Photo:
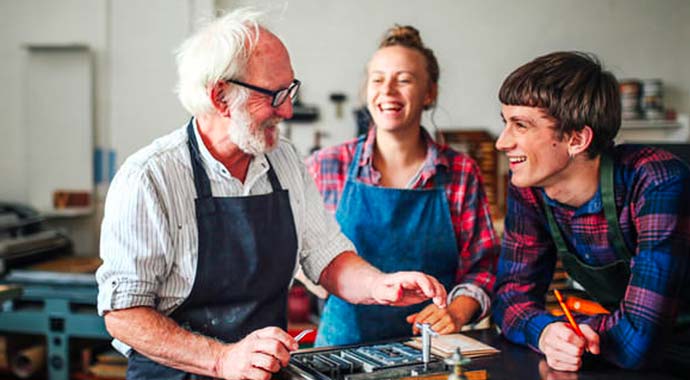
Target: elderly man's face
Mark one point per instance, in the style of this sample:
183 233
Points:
254 127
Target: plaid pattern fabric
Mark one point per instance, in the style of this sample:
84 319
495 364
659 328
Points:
652 192
476 240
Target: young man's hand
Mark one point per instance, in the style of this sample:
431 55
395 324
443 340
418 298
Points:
564 348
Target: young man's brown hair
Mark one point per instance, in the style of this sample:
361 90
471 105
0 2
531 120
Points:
574 89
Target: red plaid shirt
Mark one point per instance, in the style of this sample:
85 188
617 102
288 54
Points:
477 242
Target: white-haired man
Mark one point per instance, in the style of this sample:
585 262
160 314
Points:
202 228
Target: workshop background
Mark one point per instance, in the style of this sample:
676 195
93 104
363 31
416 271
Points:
85 83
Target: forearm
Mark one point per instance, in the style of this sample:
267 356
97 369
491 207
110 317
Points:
520 314
629 339
351 278
163 340
463 308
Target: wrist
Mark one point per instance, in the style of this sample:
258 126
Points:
373 282
221 352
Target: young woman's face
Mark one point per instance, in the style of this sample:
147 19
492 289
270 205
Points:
398 88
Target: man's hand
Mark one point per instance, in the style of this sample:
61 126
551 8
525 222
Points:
564 348
257 356
447 320
407 288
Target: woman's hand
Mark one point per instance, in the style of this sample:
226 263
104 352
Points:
448 320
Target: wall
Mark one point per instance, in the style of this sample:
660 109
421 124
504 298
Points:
144 35
39 22
132 45
478 42
684 60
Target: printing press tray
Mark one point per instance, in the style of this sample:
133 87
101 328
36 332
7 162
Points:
380 360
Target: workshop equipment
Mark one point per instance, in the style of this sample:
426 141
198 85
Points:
57 305
427 334
456 361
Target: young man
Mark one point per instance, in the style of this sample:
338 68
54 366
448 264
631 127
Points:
202 228
617 217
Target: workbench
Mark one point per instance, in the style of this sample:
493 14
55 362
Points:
514 362
59 311
519 362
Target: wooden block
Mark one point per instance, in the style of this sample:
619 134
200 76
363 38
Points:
109 370
4 362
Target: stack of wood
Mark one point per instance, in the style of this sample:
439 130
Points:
108 364
479 144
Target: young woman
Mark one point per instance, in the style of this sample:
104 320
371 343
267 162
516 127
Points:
406 202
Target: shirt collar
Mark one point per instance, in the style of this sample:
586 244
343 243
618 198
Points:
434 158
593 206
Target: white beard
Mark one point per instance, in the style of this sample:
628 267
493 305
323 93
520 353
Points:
248 137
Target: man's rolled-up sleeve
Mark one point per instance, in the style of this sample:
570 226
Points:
322 239
134 238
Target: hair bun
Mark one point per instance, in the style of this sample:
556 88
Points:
405 35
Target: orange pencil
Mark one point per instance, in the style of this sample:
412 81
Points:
568 315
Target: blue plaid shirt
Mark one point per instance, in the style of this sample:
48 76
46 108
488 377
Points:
652 192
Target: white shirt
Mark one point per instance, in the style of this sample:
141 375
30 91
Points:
149 236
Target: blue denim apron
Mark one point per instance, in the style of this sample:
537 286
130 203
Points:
394 230
247 252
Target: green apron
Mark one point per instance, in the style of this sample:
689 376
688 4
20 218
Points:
607 284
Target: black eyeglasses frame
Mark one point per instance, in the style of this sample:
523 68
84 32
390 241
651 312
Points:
278 97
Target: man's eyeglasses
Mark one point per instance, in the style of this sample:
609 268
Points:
279 97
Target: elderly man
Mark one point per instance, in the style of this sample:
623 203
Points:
617 217
203 227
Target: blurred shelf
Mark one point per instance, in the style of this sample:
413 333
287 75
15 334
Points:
650 124
71 212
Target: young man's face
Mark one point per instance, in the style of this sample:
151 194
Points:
536 155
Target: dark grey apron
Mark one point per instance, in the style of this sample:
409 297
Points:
607 284
247 251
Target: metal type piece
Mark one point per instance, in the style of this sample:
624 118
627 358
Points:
427 333
301 335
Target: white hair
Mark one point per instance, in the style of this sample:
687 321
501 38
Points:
218 51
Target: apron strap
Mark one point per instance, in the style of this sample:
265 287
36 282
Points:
561 247
615 235
201 181
609 202
442 177
275 183
353 170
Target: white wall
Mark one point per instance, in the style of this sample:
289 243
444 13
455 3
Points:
41 22
478 42
144 35
684 61
132 45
